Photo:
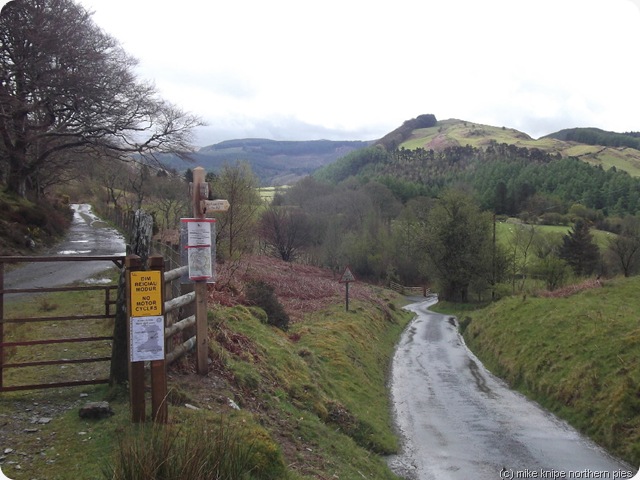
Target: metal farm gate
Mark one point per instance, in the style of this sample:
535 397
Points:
44 352
11 338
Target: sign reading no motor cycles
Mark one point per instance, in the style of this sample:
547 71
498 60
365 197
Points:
146 293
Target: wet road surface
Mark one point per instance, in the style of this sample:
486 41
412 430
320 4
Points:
458 421
88 235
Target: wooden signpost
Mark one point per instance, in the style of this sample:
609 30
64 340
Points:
146 306
202 206
213 206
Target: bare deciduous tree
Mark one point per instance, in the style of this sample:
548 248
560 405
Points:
625 248
172 199
285 231
237 184
68 90
520 242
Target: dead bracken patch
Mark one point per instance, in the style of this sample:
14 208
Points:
572 289
237 343
300 289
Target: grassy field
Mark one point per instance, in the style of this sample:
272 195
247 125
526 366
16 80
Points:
505 230
312 400
577 356
57 305
267 193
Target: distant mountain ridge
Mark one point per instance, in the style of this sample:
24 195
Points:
274 162
277 162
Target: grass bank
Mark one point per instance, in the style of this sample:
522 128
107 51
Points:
322 384
26 227
577 356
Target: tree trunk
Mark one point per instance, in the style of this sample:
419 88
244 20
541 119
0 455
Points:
119 373
140 244
16 178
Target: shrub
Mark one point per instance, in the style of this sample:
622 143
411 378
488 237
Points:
200 450
261 294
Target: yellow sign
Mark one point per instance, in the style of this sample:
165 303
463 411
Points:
146 293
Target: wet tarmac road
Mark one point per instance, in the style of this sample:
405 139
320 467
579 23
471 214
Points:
458 421
88 235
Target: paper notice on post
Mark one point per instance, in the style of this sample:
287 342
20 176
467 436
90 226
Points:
199 262
197 242
199 233
147 338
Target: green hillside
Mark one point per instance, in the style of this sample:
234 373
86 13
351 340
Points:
576 355
453 133
504 233
509 172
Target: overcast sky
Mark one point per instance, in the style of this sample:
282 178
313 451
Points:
356 69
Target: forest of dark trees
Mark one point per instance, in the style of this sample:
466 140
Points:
505 179
596 136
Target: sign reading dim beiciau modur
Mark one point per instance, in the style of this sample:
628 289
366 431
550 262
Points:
146 293
147 322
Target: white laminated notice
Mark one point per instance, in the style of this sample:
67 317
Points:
198 246
147 338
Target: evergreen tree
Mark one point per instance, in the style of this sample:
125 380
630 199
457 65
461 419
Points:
579 250
458 241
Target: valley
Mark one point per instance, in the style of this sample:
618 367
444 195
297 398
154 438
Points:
397 215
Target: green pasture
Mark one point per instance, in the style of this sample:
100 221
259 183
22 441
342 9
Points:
506 230
268 193
627 160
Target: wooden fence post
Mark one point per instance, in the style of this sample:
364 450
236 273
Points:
200 287
1 323
146 327
159 408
